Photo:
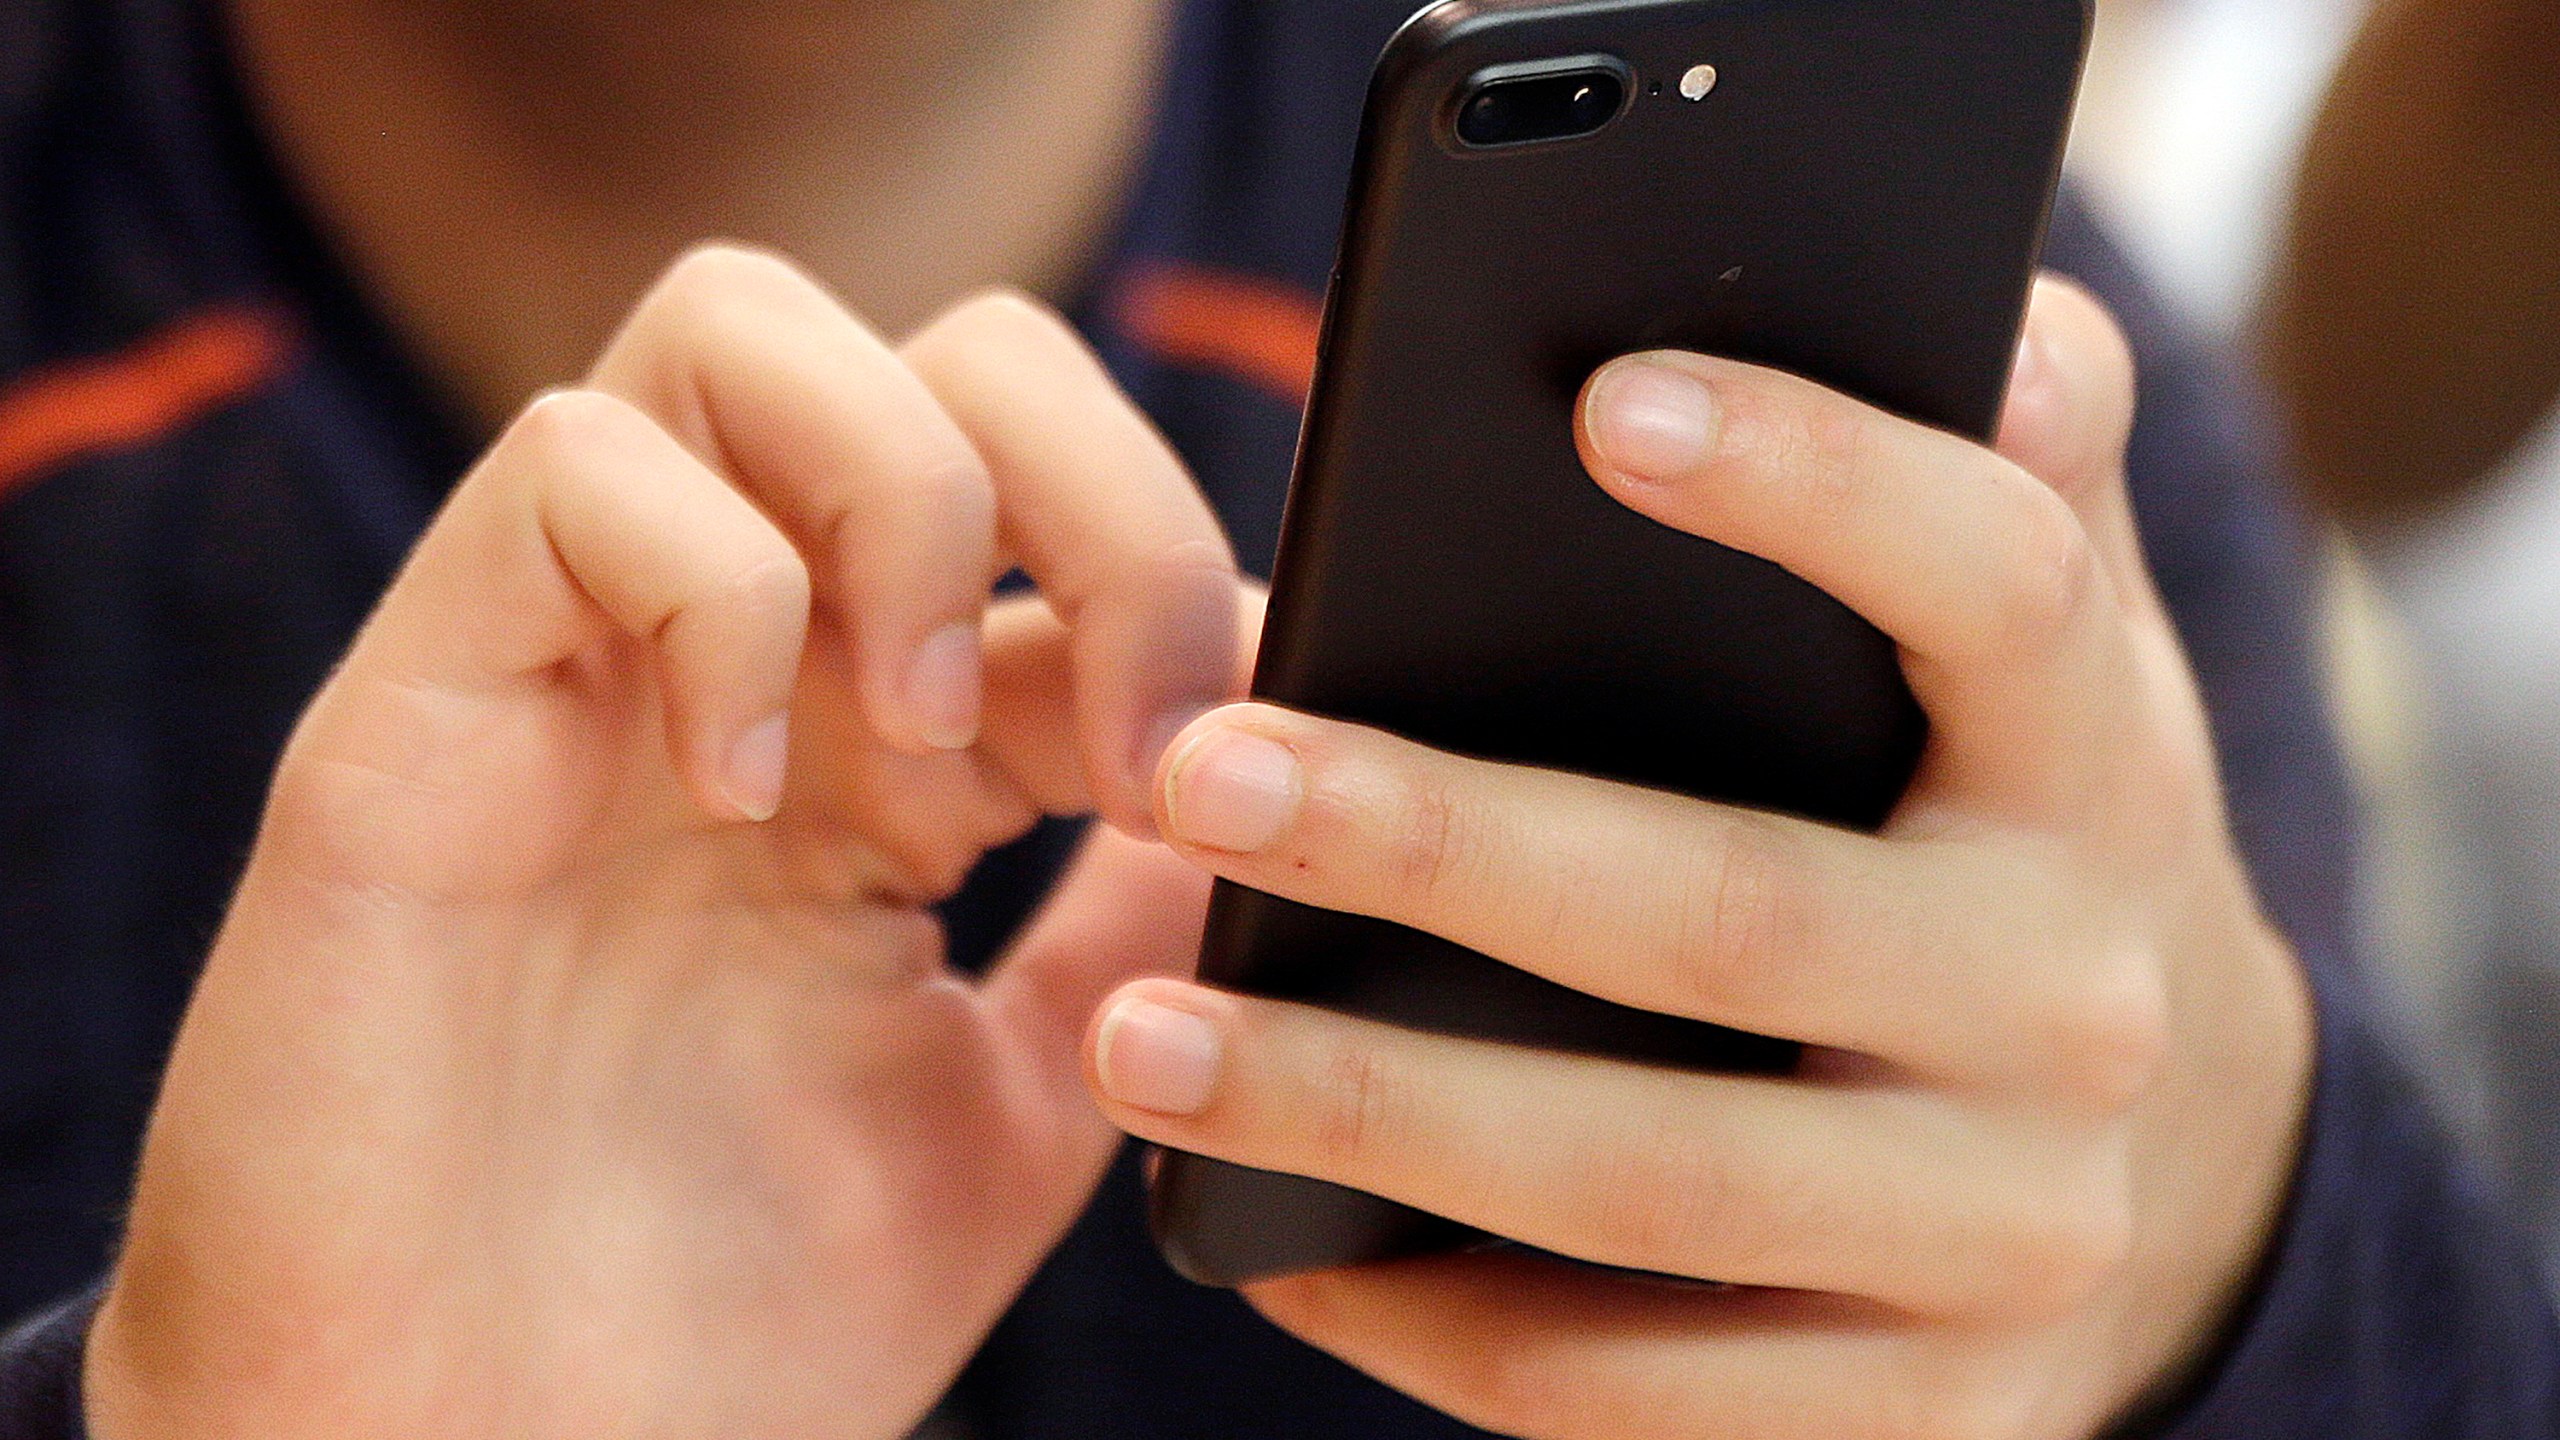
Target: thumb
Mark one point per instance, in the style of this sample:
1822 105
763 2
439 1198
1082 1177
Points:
1127 908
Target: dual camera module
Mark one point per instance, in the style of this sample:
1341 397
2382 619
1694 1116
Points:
1564 101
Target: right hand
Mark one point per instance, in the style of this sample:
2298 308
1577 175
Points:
538 1085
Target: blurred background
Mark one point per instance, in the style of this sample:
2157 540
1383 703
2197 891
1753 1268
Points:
2366 197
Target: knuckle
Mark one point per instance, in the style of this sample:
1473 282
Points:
2051 578
1658 1206
769 582
2113 1035
723 293
991 332
561 439
2067 1245
567 425
1819 451
955 483
1748 916
1006 312
715 274
1431 837
946 486
1363 1107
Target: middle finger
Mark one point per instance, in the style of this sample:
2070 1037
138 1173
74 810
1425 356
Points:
1947 958
1103 516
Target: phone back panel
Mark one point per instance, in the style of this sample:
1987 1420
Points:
1861 199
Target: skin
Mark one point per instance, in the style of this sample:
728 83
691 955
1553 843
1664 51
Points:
2057 1039
2413 328
535 1087
579 1057
507 175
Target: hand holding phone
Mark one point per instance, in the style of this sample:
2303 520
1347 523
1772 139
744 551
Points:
1574 904
2047 1118
1851 190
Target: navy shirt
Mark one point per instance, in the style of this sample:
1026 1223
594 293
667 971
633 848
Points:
212 455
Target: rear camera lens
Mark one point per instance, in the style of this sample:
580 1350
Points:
1540 108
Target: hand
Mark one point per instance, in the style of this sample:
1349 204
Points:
539 1084
2060 1058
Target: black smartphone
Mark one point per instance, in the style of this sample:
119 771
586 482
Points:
1852 190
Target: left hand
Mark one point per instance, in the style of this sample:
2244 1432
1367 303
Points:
2059 1057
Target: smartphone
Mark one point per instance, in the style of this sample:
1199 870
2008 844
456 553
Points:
1852 190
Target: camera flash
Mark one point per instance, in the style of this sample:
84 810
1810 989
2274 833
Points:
1700 80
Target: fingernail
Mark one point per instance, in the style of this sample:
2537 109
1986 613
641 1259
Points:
1650 421
945 688
1154 1057
1233 791
757 763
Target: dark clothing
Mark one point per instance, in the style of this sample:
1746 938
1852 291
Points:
212 456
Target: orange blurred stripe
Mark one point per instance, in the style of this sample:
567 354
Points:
1259 331
59 413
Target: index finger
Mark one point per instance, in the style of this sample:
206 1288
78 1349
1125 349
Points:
1105 519
766 378
1988 579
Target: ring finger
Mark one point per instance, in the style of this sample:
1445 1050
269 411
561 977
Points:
1878 1192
